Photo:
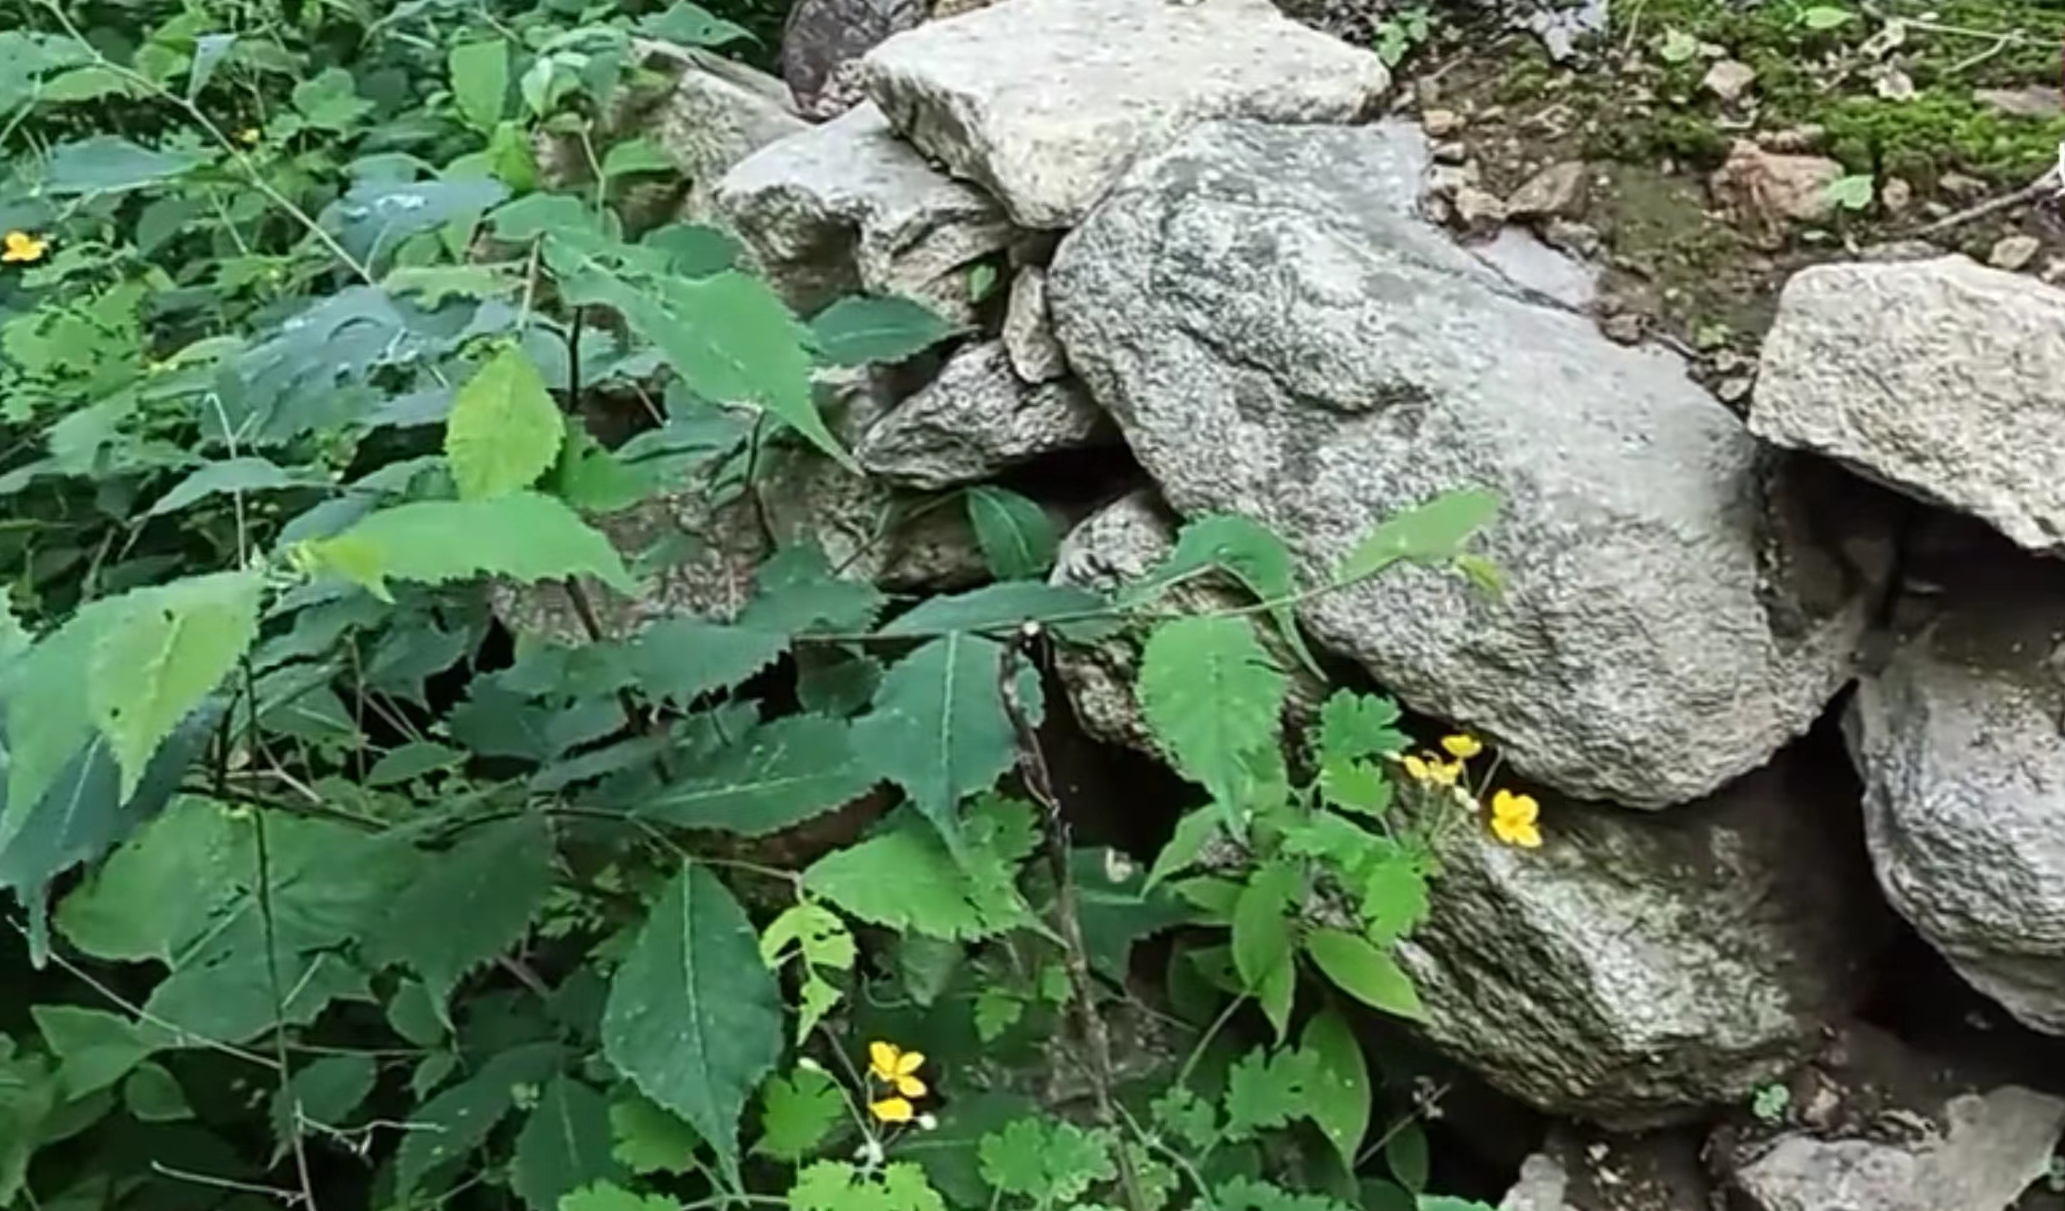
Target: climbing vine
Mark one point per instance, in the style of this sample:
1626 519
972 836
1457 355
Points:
325 893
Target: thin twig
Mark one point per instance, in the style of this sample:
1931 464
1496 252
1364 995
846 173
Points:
289 1197
1032 768
638 720
1992 206
279 1009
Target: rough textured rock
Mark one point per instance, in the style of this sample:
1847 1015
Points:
1637 968
1045 102
976 419
1117 545
1943 378
1893 1132
718 114
1766 191
1029 333
1584 1170
1959 744
1274 339
849 206
717 547
821 37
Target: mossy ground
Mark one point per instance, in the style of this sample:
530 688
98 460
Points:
1890 89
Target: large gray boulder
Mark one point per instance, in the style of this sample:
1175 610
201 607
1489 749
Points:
1960 739
1636 968
1045 102
979 418
1277 337
1942 378
847 206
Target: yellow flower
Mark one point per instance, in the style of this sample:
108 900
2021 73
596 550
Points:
1415 767
1464 746
19 247
249 136
1513 819
896 1068
1429 770
892 1110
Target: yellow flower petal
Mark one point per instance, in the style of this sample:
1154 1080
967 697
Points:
1415 767
1519 808
19 247
892 1110
1445 773
1520 833
882 1060
910 1086
1462 746
909 1062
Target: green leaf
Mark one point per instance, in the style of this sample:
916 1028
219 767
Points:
1053 1162
1264 1091
329 100
939 728
1853 192
504 428
860 329
564 1145
166 651
411 761
231 475
324 1095
694 1017
1186 842
996 1011
798 593
635 156
1211 697
448 1127
1431 533
482 895
152 1095
798 1114
1406 1153
94 1048
1826 17
523 536
606 1196
838 1186
1262 939
997 607
681 659
1017 537
479 73
1677 46
1342 1094
904 879
376 216
1117 908
209 52
692 25
1358 968
650 1139
106 164
773 777
1248 551
28 1094
731 339
821 940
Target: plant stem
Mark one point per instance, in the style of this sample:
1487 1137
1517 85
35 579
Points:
288 1101
1032 768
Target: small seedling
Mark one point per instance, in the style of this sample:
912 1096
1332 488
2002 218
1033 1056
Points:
1770 1102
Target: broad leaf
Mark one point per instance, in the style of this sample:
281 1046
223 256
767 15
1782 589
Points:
798 593
480 81
106 164
324 1095
1003 607
1368 974
1261 922
448 1127
166 651
687 24
504 428
564 1145
1431 533
469 904
153 1095
681 659
1341 1084
649 1139
904 879
1248 551
1117 909
860 329
1017 537
779 774
797 1113
374 217
523 536
939 728
94 1048
694 1017
1211 697
231 475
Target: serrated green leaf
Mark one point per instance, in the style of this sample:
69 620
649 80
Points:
773 777
694 1017
861 329
106 164
798 1113
1117 909
447 1128
1265 1091
926 966
607 1196
1358 968
821 940
1053 1162
1211 697
1430 533
166 651
681 659
523 536
838 1186
939 727
1262 938
687 24
411 760
905 879
1193 831
482 893
1340 1078
1248 551
564 1145
235 475
636 156
329 100
1017 537
324 1094
504 428
94 1048
996 1011
796 592
650 1139
479 74
1393 896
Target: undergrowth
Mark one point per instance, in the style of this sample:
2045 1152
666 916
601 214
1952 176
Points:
323 897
